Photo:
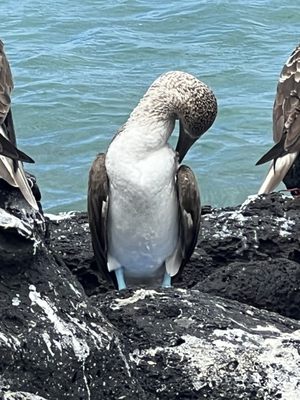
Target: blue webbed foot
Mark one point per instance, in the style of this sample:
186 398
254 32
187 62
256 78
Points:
120 278
166 283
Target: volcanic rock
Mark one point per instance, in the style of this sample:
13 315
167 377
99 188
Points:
228 329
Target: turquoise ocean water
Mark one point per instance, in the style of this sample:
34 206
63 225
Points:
81 67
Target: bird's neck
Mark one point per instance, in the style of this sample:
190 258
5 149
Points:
150 124
141 136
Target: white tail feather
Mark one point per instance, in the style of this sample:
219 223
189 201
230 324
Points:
174 261
277 173
16 179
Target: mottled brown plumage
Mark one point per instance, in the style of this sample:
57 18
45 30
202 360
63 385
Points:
189 212
286 110
6 84
286 129
179 95
11 158
8 143
98 198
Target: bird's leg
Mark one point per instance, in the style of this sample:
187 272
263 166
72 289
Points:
120 278
166 283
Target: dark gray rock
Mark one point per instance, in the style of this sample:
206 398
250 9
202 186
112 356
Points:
272 284
261 233
184 344
67 334
264 227
22 229
53 342
253 253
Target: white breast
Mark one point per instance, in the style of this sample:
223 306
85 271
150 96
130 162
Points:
143 210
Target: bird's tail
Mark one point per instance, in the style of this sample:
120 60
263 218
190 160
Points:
17 179
15 176
277 172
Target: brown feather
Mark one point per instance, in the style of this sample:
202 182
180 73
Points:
97 204
6 84
189 212
8 145
286 111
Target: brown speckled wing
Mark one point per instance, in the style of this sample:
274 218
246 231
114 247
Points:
286 109
97 203
8 141
190 211
6 84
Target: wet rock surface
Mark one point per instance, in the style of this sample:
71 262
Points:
229 329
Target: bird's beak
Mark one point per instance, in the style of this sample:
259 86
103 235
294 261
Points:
185 141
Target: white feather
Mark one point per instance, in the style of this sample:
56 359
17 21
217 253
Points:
277 173
143 211
16 179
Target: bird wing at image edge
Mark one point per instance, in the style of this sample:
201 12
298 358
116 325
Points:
190 211
97 203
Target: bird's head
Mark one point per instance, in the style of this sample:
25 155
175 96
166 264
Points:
195 106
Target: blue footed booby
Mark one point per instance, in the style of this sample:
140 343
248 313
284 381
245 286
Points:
286 130
11 158
143 206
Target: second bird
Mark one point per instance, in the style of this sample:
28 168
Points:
285 164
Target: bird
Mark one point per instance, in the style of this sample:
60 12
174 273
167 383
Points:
286 130
11 158
143 204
